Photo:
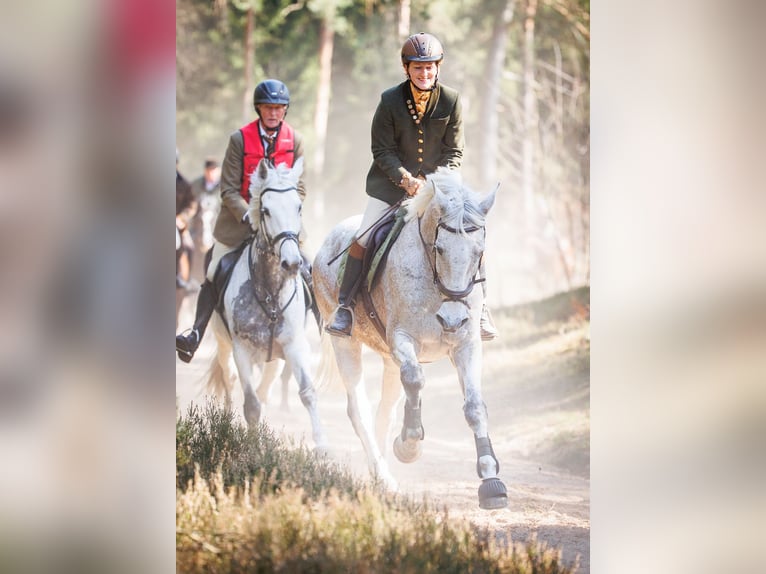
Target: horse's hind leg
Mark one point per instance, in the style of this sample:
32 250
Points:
492 492
391 395
348 354
297 354
407 445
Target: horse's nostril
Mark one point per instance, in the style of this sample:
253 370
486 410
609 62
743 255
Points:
463 322
441 321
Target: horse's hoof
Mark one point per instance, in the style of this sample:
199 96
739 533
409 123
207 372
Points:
408 451
493 494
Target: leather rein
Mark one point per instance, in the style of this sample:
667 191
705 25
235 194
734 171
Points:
270 304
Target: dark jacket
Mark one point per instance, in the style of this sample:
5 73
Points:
399 145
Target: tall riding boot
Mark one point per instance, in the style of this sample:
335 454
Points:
488 329
344 317
309 281
486 325
186 345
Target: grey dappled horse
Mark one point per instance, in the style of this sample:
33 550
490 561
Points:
264 301
429 308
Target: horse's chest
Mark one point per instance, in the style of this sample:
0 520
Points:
251 322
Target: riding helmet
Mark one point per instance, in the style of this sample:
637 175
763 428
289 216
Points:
271 92
422 47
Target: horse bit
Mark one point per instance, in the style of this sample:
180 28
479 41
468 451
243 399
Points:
273 312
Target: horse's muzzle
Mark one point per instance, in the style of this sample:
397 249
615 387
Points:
452 315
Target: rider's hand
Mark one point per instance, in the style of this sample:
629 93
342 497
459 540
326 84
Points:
411 185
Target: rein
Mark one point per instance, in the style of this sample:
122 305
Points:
450 294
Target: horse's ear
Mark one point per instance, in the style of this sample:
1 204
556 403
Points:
486 204
298 167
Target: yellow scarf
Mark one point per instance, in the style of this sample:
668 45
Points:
421 99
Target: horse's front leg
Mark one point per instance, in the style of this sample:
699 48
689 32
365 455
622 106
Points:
467 361
407 447
244 361
391 394
297 354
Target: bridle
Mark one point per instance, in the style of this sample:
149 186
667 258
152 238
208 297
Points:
458 295
264 243
283 236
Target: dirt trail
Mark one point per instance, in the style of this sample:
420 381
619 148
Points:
537 395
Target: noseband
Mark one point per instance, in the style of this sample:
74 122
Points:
450 294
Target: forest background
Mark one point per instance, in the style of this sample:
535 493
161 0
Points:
521 66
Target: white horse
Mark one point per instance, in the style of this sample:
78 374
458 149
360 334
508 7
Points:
264 301
428 307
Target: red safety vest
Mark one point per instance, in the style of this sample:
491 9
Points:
284 151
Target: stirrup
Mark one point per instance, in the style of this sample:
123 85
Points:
486 326
187 349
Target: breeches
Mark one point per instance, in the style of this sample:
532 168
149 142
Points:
374 211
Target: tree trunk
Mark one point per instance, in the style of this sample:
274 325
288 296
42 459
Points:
326 45
247 97
530 114
488 144
405 8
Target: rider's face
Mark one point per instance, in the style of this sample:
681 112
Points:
271 114
423 74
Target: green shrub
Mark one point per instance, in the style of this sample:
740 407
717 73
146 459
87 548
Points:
211 439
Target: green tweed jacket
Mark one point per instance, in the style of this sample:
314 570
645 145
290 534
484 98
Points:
401 145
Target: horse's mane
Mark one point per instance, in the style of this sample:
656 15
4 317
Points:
461 208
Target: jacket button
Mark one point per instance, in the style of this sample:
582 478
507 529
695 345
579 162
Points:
420 141
420 160
420 150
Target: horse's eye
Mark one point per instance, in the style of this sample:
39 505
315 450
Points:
300 209
265 211
439 249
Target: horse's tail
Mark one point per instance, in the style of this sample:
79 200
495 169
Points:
327 375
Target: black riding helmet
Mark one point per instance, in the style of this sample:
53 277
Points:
271 92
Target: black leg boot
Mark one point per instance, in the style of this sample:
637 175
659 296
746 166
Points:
186 345
309 282
344 317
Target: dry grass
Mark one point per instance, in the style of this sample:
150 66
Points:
276 507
